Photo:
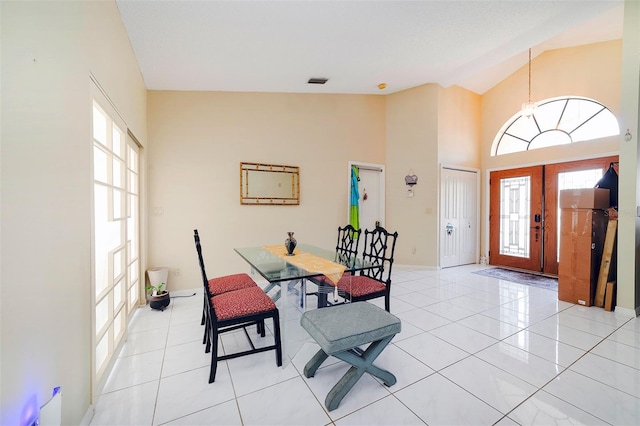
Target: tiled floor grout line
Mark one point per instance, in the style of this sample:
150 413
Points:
567 368
522 329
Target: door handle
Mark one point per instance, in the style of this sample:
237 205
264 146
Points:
537 228
449 229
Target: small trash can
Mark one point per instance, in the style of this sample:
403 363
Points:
158 275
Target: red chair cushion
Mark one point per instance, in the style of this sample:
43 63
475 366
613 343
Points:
240 303
229 283
358 285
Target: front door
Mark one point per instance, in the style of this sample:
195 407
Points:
530 196
515 218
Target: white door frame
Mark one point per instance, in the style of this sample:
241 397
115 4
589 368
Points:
439 222
381 198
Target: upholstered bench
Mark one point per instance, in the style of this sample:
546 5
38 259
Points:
340 331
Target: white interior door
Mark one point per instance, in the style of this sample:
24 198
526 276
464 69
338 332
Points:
371 189
458 217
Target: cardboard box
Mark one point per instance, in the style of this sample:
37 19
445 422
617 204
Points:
585 198
582 234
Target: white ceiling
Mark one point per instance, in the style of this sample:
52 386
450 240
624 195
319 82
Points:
276 46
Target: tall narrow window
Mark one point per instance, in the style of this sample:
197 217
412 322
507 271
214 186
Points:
115 241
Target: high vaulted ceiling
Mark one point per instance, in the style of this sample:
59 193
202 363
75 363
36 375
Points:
276 46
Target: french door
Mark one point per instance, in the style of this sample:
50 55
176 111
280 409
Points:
116 255
524 213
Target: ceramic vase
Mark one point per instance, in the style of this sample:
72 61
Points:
290 243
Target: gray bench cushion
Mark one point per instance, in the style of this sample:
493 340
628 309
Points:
342 327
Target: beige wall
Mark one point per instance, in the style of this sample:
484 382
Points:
426 126
48 52
199 140
412 145
629 195
459 127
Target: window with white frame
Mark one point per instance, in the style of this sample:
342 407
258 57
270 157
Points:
555 121
115 246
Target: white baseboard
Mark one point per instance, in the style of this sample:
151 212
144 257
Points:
417 267
88 416
631 313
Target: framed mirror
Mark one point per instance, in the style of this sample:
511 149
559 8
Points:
269 184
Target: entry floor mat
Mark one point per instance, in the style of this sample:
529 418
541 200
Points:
521 277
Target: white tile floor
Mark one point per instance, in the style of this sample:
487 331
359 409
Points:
473 350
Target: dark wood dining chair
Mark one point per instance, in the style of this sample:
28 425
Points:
379 247
234 310
219 285
346 253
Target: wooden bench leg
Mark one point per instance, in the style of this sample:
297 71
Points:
360 364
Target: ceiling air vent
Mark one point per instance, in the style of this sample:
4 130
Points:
317 80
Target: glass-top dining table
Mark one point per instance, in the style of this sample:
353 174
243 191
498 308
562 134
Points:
286 280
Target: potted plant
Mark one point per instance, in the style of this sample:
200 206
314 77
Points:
158 297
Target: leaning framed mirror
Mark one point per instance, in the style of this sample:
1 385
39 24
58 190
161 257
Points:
269 184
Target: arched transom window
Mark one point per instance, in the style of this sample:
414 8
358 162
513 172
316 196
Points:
556 121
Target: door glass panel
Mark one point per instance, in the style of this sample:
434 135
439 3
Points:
575 180
118 263
133 159
101 240
118 327
102 351
118 204
118 141
118 170
117 295
102 314
99 126
515 202
100 167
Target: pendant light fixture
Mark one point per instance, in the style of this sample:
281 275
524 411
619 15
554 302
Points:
528 108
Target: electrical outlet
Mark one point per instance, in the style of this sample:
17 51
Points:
177 272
